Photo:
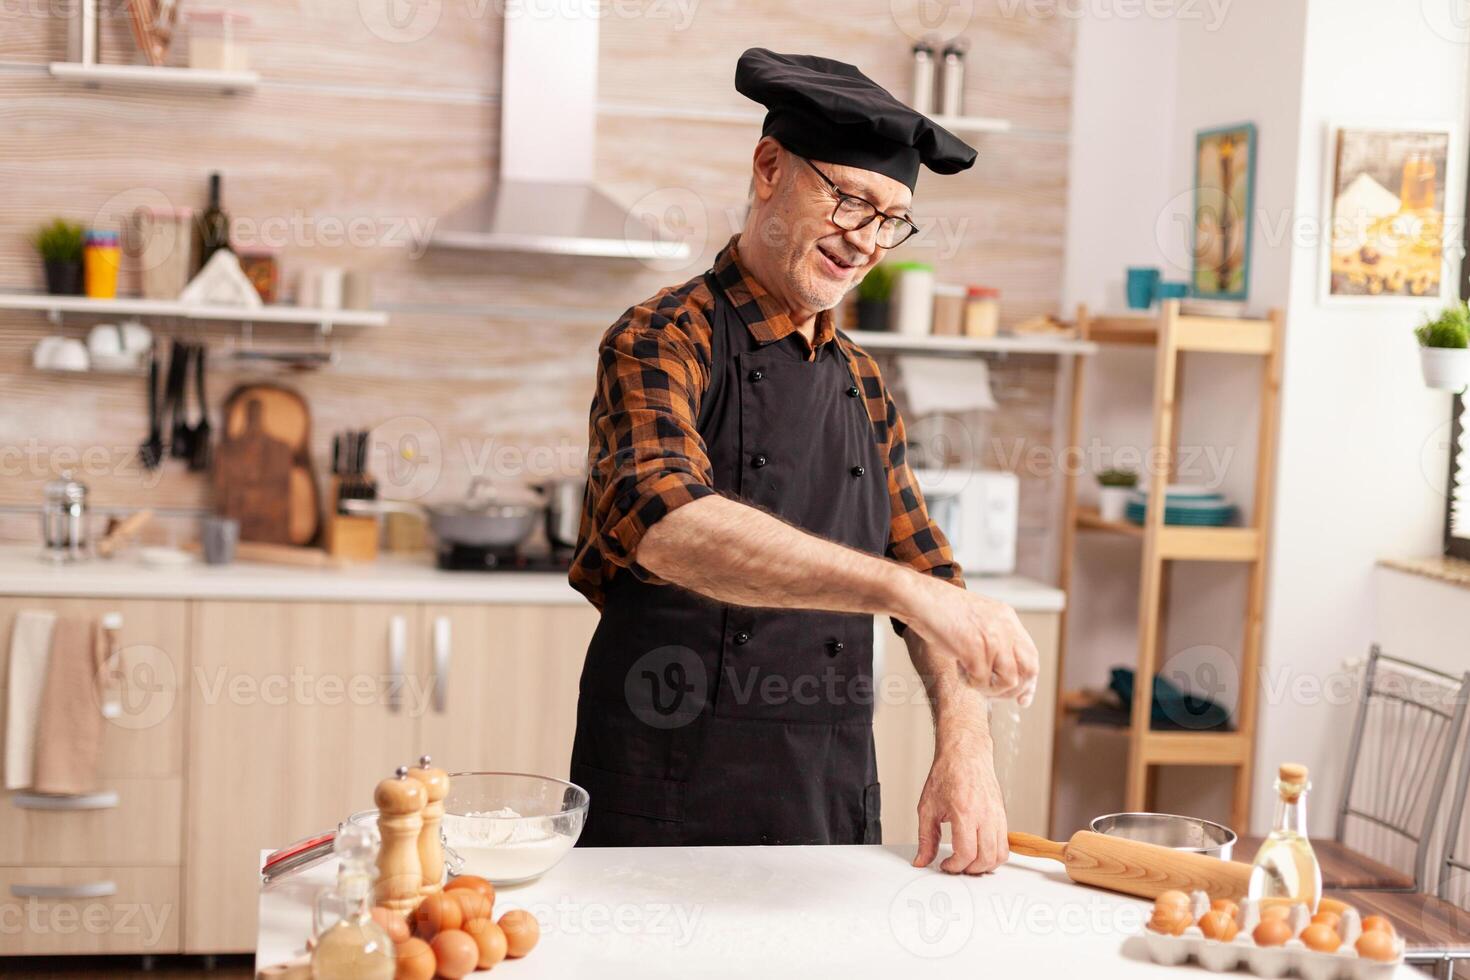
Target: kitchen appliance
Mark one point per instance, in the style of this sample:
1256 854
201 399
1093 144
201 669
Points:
483 531
545 201
979 512
64 519
1168 830
563 510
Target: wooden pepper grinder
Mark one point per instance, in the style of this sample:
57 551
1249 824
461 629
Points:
400 803
431 845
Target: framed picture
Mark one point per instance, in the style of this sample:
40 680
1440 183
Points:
1224 194
1383 238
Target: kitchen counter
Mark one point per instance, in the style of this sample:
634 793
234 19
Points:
853 912
390 579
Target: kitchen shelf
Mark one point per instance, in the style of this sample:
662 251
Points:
1171 334
1210 334
55 306
955 124
155 77
1023 344
1180 542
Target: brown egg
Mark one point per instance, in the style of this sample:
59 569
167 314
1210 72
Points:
435 914
415 961
490 938
1272 932
1377 944
1329 919
521 932
474 882
1333 905
1321 937
456 952
1170 922
1377 923
393 922
1175 901
471 903
1280 911
1217 925
1225 905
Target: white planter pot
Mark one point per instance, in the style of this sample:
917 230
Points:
1447 368
1112 502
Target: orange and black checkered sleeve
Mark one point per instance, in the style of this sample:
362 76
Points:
913 537
647 455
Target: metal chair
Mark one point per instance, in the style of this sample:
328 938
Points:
1436 928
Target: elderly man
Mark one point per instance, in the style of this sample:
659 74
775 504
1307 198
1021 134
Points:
749 510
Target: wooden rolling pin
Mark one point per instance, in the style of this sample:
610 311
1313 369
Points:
1135 868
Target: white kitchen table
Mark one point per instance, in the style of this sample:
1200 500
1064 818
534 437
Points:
809 912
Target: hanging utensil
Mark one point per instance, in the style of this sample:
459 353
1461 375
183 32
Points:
150 453
199 435
178 367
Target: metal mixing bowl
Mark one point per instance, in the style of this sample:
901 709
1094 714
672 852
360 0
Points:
1169 830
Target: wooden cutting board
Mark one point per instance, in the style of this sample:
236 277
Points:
262 466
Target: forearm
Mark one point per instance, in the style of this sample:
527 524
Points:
741 555
961 713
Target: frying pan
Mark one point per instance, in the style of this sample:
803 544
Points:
481 520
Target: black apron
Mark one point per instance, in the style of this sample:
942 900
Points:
701 723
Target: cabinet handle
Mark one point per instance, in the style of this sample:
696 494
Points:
397 653
91 801
84 889
441 662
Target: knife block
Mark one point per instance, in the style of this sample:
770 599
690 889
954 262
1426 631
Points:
350 536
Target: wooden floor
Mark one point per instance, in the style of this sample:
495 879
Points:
130 967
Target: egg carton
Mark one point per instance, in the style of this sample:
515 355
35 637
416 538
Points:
1291 958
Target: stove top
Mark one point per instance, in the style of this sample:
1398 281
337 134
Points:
469 558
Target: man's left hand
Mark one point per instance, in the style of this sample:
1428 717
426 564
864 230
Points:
962 791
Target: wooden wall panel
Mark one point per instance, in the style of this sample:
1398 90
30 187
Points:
392 125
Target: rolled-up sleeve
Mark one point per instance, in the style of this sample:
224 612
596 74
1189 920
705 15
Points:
648 456
913 537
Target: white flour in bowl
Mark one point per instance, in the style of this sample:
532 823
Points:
504 847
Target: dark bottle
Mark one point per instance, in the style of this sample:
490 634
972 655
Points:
214 224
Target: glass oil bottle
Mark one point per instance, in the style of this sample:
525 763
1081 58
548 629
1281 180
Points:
349 943
1285 868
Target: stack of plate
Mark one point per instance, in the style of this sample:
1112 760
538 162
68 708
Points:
1185 504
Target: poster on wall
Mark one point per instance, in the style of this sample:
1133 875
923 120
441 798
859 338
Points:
1386 207
1224 189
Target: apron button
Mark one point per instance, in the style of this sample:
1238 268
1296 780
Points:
857 471
853 392
757 374
742 638
834 647
759 460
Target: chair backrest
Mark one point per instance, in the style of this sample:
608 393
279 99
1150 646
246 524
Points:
1454 875
1403 742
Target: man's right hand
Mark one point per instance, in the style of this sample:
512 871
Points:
995 653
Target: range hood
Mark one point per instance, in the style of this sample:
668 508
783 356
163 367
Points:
544 200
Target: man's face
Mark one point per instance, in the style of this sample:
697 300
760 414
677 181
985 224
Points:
818 261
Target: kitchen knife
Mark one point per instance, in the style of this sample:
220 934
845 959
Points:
1135 868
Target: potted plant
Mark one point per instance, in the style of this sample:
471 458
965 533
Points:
1444 349
1114 488
60 246
872 298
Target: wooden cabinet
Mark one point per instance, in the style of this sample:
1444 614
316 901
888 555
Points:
508 677
296 711
904 732
104 909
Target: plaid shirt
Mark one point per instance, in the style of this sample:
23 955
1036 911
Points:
646 456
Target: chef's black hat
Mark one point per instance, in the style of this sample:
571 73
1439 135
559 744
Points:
828 110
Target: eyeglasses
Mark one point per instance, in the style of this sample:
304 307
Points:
852 213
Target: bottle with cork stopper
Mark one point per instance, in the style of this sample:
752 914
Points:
431 846
1286 867
400 801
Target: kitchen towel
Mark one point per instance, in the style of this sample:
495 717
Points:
30 647
945 384
69 727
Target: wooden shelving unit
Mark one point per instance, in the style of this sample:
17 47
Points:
871 340
1172 334
55 306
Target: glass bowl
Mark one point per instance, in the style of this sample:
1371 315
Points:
510 827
